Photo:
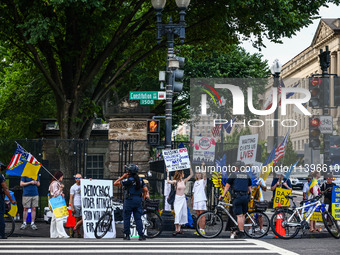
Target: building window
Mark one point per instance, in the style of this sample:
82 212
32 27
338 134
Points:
95 166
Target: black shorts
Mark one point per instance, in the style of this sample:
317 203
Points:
240 205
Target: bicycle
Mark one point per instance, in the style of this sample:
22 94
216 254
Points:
213 222
152 223
294 219
9 220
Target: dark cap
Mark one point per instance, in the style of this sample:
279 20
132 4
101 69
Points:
329 176
239 164
2 166
132 168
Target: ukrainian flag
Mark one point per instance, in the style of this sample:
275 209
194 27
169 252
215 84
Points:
25 168
268 165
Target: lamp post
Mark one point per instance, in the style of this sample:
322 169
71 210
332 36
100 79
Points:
223 101
170 30
276 70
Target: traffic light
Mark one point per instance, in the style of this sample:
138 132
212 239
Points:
316 90
336 91
314 132
178 75
153 132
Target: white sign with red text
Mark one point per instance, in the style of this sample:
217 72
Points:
204 149
247 147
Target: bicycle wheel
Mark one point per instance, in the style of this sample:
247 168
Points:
256 224
152 224
9 225
285 222
210 223
103 225
331 224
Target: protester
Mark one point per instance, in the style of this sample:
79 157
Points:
314 190
75 201
133 189
56 189
328 195
199 198
261 184
180 204
30 199
306 187
3 191
240 183
280 182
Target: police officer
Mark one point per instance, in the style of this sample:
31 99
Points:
240 183
3 191
133 189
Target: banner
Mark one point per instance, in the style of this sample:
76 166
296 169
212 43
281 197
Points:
280 197
204 150
94 202
247 148
336 202
176 159
59 207
317 215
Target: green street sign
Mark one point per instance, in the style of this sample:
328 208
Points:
147 95
147 102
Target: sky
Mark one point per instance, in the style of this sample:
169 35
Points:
293 46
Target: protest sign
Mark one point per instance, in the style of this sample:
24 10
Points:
176 159
94 202
59 207
336 203
317 215
204 150
280 197
247 148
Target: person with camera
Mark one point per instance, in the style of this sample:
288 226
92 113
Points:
240 184
3 191
134 193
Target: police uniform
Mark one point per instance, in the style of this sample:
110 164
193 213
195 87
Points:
132 204
239 183
2 208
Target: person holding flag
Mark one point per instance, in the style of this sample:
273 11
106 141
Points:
314 191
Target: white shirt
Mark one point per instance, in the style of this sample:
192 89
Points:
199 190
75 191
305 188
167 188
263 183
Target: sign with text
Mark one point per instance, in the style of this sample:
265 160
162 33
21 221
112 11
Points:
176 159
280 197
204 149
247 148
317 215
326 125
94 203
336 203
58 206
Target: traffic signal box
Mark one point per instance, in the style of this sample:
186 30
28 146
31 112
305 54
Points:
314 132
336 91
317 92
153 132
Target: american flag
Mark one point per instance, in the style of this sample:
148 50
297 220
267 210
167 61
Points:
280 150
21 152
216 130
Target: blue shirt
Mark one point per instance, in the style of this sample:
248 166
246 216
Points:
2 179
239 181
130 186
275 180
29 190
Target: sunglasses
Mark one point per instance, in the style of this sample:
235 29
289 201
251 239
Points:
77 178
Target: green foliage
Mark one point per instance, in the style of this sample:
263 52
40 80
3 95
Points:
265 153
233 139
181 137
290 156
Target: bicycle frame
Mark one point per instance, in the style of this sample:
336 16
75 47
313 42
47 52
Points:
310 212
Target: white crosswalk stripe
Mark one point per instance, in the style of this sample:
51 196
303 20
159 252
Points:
160 246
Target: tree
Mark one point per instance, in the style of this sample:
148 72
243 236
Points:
290 156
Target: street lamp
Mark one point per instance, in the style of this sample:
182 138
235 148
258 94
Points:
276 70
223 101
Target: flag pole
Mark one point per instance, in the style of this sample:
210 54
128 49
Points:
40 163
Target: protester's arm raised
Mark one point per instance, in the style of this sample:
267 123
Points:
168 179
190 176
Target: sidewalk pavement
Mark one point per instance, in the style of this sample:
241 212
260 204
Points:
44 231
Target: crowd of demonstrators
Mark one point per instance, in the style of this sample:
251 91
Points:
134 193
30 199
56 189
180 203
75 202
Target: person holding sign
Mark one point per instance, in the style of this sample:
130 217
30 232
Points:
180 203
133 189
280 182
314 190
327 187
56 189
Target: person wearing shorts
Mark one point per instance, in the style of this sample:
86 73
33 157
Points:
30 199
75 201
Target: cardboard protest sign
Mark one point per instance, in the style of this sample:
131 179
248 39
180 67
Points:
336 203
94 202
247 148
58 206
204 149
176 159
280 197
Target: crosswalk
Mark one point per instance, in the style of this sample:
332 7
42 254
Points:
155 246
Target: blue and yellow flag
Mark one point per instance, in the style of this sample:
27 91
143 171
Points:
25 168
268 165
312 183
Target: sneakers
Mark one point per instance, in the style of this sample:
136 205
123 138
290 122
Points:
34 227
250 232
196 233
142 238
202 231
232 235
240 235
262 231
126 237
23 226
